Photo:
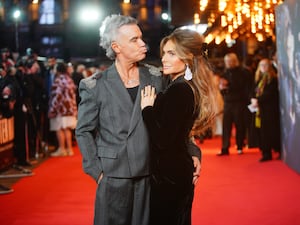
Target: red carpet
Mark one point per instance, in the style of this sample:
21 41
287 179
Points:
235 190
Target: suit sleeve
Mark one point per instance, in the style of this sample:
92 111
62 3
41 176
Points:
194 150
88 112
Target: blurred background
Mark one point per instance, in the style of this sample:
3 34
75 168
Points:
69 29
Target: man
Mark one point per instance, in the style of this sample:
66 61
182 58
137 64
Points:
110 132
77 76
235 85
49 137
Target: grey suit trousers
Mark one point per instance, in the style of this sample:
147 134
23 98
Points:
116 196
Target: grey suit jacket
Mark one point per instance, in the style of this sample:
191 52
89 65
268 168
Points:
110 132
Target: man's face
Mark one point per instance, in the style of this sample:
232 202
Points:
229 63
51 62
129 45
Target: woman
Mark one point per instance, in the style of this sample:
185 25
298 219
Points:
267 116
184 109
63 110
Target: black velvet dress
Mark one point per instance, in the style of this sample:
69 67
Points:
169 123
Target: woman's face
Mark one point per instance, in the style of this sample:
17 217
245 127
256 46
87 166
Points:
172 64
264 66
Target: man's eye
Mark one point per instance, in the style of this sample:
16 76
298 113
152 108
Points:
134 40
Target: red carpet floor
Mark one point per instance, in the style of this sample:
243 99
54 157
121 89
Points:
232 190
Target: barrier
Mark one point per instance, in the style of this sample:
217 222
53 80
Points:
7 160
6 142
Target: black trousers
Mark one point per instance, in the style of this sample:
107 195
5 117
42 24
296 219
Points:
234 114
20 136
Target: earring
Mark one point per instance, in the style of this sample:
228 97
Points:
188 73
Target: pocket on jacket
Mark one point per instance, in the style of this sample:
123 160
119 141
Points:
107 153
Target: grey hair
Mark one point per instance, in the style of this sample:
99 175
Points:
109 30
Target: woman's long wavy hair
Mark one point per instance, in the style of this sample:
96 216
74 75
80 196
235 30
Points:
189 48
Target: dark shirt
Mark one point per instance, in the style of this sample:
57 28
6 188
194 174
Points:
133 92
240 82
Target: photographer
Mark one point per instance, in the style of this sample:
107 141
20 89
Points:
34 98
26 109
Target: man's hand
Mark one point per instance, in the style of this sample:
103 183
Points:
99 178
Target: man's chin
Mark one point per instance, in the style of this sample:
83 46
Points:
142 56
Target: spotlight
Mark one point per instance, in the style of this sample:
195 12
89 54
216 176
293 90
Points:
89 15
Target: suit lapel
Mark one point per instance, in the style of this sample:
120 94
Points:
137 114
118 92
121 97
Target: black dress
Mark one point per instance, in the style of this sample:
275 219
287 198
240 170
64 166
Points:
169 123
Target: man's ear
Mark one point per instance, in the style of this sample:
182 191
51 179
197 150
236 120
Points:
115 47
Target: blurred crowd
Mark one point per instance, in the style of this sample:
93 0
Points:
42 97
251 109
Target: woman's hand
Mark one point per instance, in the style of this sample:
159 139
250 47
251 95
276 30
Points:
197 166
254 102
147 96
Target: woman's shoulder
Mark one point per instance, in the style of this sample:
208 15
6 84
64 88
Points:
180 88
180 83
